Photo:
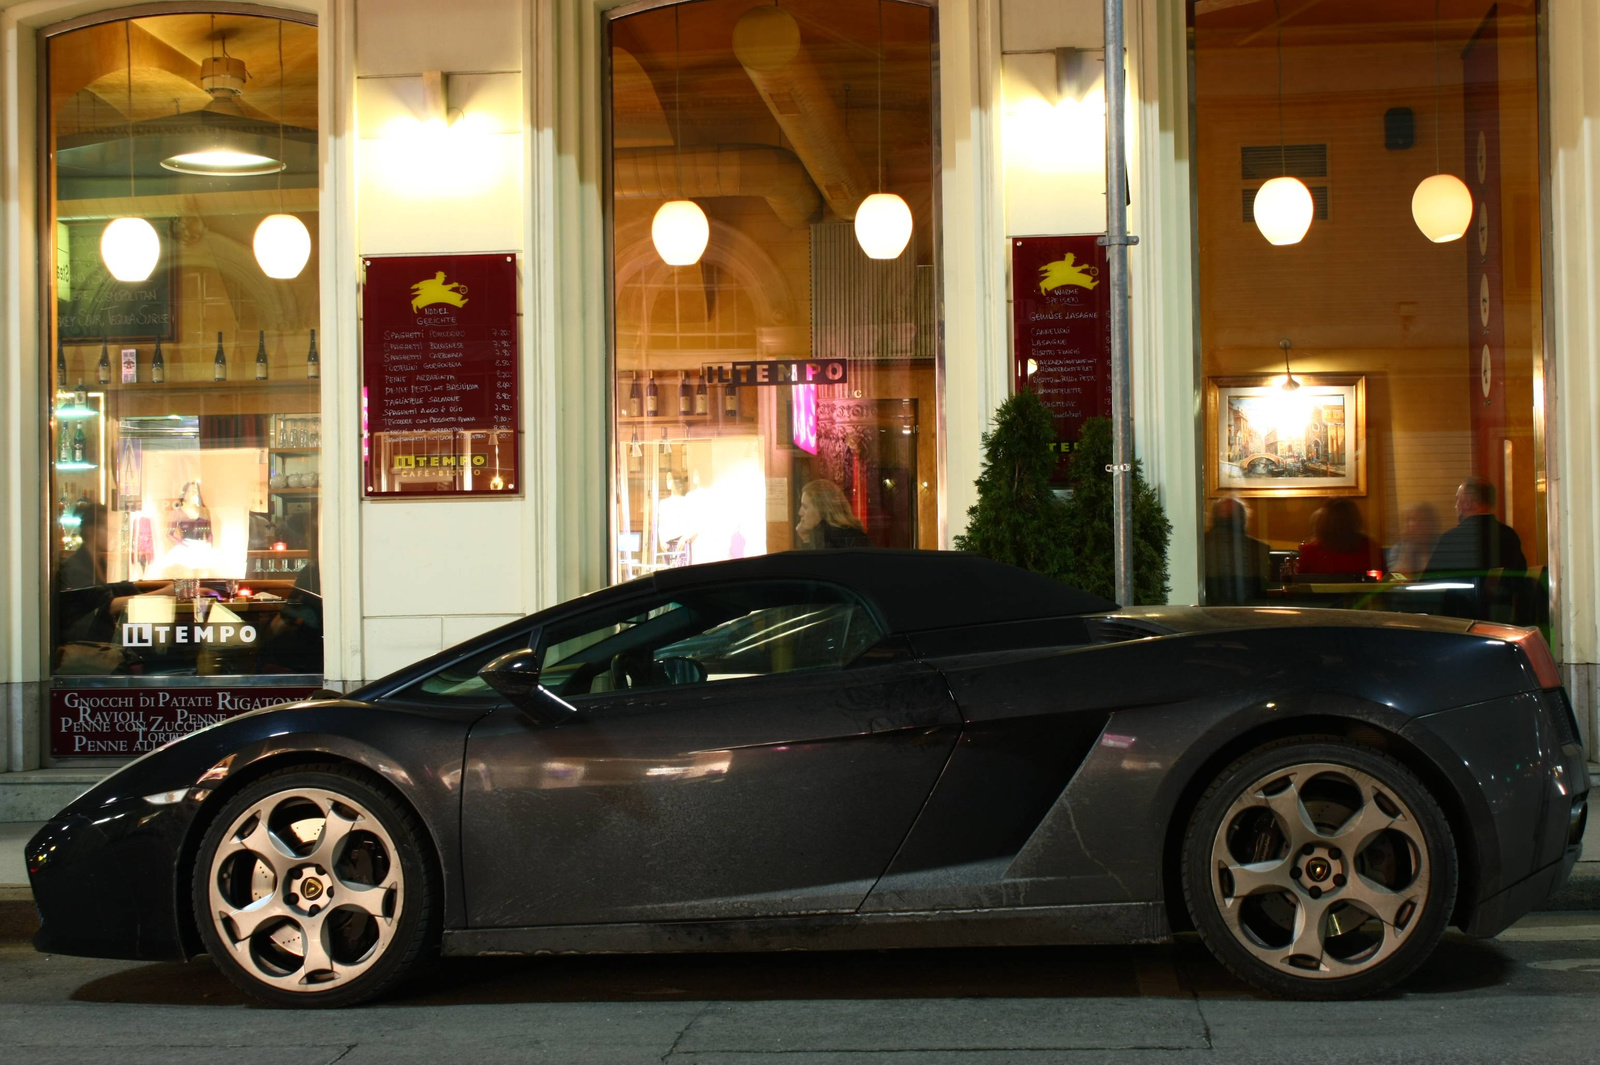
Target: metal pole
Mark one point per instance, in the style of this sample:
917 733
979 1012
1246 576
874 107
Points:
1116 242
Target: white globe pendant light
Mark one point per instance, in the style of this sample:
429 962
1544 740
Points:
130 248
883 221
680 232
883 225
282 245
1283 210
1442 204
1442 207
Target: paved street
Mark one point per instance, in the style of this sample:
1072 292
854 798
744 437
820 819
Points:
1529 996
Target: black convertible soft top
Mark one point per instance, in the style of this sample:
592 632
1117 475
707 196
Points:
912 591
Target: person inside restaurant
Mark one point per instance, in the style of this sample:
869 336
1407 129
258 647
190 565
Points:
1237 564
1339 543
1485 553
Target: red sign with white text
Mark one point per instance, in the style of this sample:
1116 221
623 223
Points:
439 376
1060 337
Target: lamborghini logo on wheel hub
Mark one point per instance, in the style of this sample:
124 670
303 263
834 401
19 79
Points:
312 888
1317 870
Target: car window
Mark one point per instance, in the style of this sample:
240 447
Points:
459 680
706 636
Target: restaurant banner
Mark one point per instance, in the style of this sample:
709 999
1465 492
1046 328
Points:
125 722
439 387
1060 340
1486 328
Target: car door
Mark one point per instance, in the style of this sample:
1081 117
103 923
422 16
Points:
750 751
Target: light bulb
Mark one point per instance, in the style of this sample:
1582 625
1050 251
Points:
282 245
680 232
130 248
1283 210
1442 207
883 225
222 162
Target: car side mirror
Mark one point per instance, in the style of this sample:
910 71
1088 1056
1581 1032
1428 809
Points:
515 675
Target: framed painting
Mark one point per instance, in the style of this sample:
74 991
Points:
1263 440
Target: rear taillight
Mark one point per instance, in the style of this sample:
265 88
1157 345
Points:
1534 649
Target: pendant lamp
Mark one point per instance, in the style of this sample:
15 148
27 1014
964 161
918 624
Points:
1283 206
1442 204
680 229
129 246
282 243
883 221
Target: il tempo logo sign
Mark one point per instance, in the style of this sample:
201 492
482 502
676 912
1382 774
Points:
151 635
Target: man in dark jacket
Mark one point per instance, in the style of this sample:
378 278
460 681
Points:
1485 552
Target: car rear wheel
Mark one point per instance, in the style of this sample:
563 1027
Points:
1319 868
312 888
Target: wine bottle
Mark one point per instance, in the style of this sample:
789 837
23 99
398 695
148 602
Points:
158 366
685 402
313 364
666 448
103 369
64 443
652 398
635 403
80 395
702 398
80 444
219 365
261 355
61 363
635 454
730 400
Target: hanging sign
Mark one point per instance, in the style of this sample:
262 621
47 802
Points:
124 722
439 383
1060 336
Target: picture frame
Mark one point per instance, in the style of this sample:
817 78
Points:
1263 441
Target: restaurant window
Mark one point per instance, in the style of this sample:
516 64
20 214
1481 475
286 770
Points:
181 306
1371 324
775 383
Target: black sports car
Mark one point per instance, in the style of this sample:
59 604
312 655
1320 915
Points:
851 749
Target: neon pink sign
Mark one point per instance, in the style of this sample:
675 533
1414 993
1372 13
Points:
805 418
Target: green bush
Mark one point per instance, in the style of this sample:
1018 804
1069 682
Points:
1019 519
1090 516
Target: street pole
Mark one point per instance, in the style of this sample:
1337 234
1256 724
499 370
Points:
1116 242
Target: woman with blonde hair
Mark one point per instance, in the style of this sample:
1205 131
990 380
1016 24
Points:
826 519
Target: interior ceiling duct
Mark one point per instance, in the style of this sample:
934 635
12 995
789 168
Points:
766 41
725 170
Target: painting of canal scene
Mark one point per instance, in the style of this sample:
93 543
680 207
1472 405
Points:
1269 440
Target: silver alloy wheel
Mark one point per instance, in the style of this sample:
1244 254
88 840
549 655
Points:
306 889
1320 870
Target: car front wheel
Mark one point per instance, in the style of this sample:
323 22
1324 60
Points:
1319 868
311 888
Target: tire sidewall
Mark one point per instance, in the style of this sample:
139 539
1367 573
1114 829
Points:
414 928
1220 939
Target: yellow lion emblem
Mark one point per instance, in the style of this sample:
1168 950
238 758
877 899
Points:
437 290
1066 272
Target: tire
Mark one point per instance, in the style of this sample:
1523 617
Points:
276 897
1319 868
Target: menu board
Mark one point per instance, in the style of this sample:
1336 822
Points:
1061 337
439 376
124 722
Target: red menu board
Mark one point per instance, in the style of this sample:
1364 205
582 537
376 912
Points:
1060 337
439 375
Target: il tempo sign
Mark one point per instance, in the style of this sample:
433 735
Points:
125 722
